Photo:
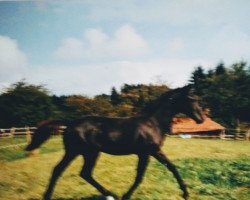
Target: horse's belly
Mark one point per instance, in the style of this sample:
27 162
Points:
118 150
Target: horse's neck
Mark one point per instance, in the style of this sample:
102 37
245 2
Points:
164 118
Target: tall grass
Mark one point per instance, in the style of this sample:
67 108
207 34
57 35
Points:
212 169
17 152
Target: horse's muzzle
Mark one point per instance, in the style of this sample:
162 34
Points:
200 121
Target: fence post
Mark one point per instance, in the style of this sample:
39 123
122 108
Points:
247 135
28 135
237 133
222 134
12 132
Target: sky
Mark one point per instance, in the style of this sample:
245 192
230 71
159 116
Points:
87 47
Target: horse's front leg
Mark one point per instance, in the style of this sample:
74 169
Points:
57 172
161 157
142 165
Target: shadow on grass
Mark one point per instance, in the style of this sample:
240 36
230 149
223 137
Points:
94 197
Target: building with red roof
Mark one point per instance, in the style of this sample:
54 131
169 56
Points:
186 125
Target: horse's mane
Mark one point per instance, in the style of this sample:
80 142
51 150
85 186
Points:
151 106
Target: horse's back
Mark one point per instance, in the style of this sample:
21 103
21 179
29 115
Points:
117 136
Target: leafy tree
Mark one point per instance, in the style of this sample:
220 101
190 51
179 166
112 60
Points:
198 78
140 103
103 106
240 74
103 96
115 97
123 110
59 104
220 69
78 106
24 104
226 91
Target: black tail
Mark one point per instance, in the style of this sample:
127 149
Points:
43 132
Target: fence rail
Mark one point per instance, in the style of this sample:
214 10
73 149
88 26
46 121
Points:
26 132
223 137
10 132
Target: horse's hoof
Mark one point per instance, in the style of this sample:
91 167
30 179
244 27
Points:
125 197
46 197
110 198
185 196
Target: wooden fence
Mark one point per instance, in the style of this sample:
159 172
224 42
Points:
227 134
26 132
15 132
241 136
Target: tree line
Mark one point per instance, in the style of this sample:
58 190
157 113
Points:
226 91
24 104
223 89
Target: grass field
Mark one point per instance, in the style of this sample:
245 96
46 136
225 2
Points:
212 169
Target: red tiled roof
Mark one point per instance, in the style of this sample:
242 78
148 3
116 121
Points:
187 125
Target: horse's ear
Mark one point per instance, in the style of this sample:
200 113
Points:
187 90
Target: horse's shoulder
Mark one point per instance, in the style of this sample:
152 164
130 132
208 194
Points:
149 133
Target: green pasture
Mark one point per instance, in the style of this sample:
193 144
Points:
212 169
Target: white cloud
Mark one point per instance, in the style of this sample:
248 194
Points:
180 33
229 44
95 44
128 42
96 37
13 62
92 79
177 44
71 48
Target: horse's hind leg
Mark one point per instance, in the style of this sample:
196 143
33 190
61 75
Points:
86 173
60 167
142 165
160 156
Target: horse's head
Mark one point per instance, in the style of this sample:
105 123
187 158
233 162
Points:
184 101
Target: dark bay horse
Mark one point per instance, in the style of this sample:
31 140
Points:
142 135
